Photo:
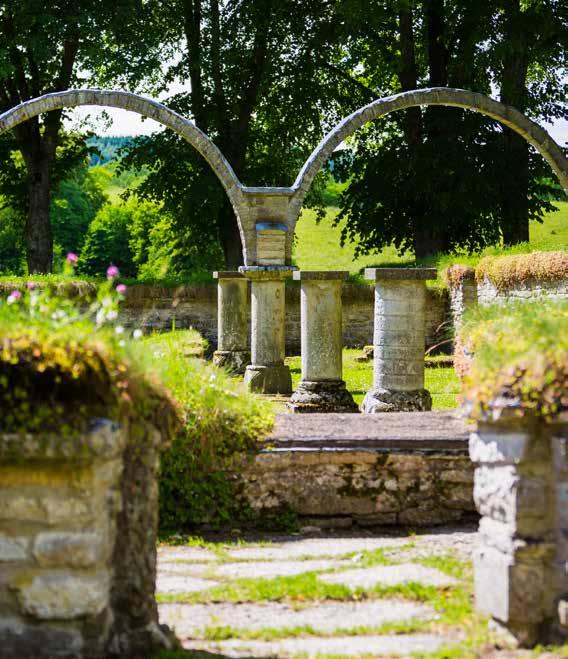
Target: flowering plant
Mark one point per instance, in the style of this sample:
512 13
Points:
44 302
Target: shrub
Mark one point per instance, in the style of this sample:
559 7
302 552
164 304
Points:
60 368
108 241
221 425
520 358
507 271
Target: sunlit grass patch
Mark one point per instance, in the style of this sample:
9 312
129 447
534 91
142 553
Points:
441 382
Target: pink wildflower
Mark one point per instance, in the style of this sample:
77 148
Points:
121 288
112 272
31 285
14 297
72 258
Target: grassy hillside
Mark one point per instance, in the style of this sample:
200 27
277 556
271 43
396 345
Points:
317 246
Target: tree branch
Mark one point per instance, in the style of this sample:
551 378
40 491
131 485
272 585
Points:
369 92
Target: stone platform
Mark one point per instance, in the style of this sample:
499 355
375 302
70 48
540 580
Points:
342 470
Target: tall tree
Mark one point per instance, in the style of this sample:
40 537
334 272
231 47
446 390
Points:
43 46
432 180
249 66
530 48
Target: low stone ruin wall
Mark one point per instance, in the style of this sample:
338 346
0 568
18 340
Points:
488 292
157 308
407 469
78 521
533 276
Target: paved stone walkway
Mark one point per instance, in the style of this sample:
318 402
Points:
339 594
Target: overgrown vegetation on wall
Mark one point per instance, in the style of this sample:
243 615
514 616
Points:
221 425
507 271
519 358
59 370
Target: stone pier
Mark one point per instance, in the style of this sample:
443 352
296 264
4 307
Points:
267 373
521 492
398 373
322 388
232 321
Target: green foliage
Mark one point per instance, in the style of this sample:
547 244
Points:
74 206
12 242
221 424
60 368
413 175
318 246
520 357
108 241
107 148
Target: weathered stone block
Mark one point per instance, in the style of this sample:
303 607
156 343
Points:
62 596
13 549
68 549
509 590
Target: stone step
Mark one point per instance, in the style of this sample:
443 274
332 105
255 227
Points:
420 431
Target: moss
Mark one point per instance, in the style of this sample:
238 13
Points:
56 378
519 356
508 271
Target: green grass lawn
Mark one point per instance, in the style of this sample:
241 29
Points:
317 246
442 383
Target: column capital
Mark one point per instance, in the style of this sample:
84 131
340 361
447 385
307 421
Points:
267 272
320 275
398 274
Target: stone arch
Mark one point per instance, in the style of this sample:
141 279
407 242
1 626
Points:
133 102
461 98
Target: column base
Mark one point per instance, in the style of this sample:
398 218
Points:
268 379
320 397
233 360
389 400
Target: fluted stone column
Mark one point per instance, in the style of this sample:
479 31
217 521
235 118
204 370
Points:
232 321
267 373
322 388
399 340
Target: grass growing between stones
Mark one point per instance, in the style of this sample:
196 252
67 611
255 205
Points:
452 605
441 382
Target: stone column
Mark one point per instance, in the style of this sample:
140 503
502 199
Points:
232 321
398 373
267 374
322 388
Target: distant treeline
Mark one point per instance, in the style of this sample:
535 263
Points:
107 148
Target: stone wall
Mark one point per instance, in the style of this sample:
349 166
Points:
407 469
74 580
521 491
488 293
157 308
361 488
468 287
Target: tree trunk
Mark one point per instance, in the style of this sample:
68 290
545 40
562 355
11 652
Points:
39 239
230 237
412 125
514 169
